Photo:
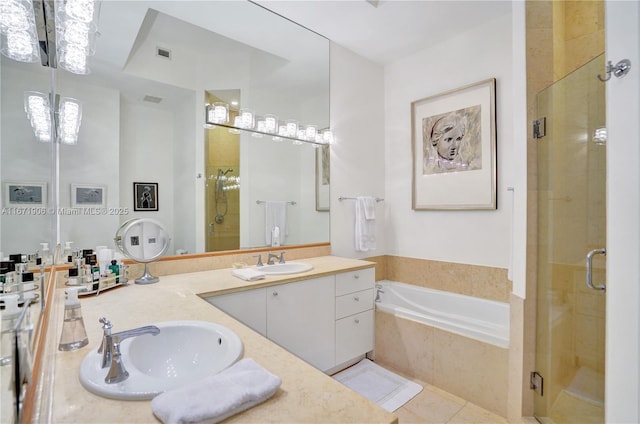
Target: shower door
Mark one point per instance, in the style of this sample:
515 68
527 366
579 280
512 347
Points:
571 223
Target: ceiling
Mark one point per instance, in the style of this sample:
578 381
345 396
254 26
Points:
392 29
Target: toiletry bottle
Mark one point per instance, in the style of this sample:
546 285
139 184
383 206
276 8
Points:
73 277
67 255
9 315
46 254
115 269
74 335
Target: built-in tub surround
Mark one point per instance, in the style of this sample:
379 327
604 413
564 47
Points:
474 370
471 280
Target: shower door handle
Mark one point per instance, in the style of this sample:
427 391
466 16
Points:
590 256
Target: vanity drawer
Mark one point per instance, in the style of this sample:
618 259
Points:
353 303
354 336
350 282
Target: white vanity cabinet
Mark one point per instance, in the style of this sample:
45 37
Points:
325 321
354 314
247 306
301 318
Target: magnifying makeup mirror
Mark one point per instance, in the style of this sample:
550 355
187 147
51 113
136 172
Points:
143 240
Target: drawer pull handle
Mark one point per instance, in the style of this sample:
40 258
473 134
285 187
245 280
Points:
275 293
357 321
356 276
357 299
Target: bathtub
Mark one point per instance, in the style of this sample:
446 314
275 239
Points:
480 319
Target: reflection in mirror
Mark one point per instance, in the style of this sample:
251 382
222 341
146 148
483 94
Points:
156 66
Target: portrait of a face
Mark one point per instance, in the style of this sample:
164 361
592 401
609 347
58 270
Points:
451 141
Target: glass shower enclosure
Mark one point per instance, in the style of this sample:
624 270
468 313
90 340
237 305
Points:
570 327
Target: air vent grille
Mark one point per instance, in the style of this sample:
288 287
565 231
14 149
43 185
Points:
162 52
152 99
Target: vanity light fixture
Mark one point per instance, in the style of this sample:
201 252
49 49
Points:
28 32
217 114
18 30
66 117
76 28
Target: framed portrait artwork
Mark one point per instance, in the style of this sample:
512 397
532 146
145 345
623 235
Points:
145 197
25 194
453 140
322 178
88 195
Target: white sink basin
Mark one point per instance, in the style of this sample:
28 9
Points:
285 268
183 352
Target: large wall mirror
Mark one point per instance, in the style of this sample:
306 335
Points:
156 65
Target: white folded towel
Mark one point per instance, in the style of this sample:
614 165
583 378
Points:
248 274
241 386
365 228
275 215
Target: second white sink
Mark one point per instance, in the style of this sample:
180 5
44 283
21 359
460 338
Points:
183 352
286 268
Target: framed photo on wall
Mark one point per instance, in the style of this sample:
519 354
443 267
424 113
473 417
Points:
88 195
145 197
322 178
25 194
453 144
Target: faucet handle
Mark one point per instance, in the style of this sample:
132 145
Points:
259 256
106 331
281 258
106 324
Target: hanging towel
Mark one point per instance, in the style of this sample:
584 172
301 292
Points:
275 214
365 228
241 386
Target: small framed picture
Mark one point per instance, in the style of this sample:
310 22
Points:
25 194
88 195
145 197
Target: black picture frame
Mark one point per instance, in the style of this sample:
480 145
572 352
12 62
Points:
145 197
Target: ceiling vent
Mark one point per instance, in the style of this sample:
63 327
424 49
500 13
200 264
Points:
162 52
152 99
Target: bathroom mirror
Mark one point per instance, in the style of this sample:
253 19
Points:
155 66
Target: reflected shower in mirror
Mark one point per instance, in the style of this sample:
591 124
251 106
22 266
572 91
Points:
157 64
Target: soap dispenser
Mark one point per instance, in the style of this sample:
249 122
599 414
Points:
74 335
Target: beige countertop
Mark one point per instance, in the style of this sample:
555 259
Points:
306 394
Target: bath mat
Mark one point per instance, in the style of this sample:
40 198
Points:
379 385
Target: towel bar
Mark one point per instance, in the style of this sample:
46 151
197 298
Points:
341 198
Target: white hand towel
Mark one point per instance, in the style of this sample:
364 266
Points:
241 386
248 274
369 207
275 215
365 229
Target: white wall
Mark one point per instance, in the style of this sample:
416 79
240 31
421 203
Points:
23 158
94 160
622 385
146 155
357 155
471 237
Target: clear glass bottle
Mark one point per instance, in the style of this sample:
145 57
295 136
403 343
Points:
74 335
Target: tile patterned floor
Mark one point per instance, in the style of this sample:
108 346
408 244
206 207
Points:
435 406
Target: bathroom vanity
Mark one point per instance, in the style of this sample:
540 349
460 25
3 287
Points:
306 393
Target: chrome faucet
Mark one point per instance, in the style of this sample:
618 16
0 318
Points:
110 349
273 256
259 256
378 291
